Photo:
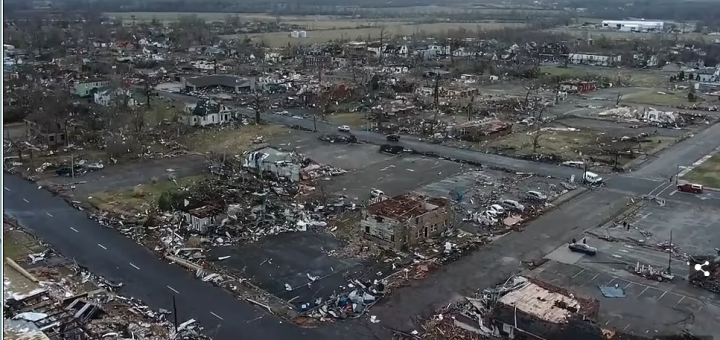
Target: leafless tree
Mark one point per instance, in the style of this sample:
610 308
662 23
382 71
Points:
538 129
382 43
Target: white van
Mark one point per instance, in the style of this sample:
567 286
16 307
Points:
376 193
592 178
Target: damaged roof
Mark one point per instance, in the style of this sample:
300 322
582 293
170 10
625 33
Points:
547 302
405 207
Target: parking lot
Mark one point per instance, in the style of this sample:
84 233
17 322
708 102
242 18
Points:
649 308
695 231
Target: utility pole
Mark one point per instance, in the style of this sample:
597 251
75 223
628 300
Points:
175 313
72 165
314 122
670 254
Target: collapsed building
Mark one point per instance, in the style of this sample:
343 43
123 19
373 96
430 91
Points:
405 220
527 308
649 115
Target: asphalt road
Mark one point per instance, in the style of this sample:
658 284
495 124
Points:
652 178
106 252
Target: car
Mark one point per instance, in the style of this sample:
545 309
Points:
486 217
376 193
512 205
533 195
393 138
497 209
582 248
343 128
592 178
690 188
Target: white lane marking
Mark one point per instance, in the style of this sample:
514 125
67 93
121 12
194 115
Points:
26 201
101 246
49 214
173 289
73 229
217 316
656 188
134 266
6 188
674 192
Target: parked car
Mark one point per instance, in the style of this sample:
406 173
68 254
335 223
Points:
533 195
486 218
497 209
592 178
690 188
393 138
344 128
376 193
68 171
582 248
512 205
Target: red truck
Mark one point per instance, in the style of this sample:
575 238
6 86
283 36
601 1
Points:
690 188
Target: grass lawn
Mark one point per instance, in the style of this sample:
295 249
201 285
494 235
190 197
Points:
642 78
563 143
707 174
17 245
351 119
232 139
140 197
655 98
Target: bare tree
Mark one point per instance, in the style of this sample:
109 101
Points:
538 129
382 43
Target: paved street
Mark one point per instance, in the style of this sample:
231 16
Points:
106 252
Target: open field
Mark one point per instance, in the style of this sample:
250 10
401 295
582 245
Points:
280 39
231 139
140 197
707 173
656 98
350 119
562 143
617 35
642 78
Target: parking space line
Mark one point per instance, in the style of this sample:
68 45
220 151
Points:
609 282
49 214
6 189
134 266
626 327
663 294
641 293
26 201
682 298
217 316
173 289
101 246
628 285
580 272
73 229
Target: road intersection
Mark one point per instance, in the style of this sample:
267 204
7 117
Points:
106 252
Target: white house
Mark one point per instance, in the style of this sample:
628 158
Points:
593 59
107 96
206 113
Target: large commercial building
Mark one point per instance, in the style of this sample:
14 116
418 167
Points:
634 26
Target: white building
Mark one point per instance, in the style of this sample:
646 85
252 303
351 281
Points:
634 26
298 34
593 59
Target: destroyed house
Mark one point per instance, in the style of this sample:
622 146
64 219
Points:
538 310
200 218
405 220
275 162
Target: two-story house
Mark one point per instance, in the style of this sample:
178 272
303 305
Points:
86 88
406 220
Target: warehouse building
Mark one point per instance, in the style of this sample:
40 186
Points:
634 26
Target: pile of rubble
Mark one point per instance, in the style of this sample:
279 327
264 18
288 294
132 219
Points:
64 306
